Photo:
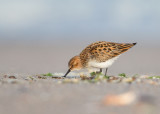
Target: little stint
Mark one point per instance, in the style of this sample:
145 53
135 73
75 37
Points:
100 55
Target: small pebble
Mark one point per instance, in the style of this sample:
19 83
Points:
12 77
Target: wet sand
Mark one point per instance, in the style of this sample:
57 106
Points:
26 94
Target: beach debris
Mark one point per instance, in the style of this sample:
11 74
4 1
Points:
48 74
5 76
12 77
129 79
154 77
42 77
123 99
84 77
122 75
55 77
70 80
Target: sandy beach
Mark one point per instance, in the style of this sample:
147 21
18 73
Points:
23 94
23 91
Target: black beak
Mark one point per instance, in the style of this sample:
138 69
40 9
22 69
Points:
67 73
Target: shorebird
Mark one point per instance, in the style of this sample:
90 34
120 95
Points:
99 55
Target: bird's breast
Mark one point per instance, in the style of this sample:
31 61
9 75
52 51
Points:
106 64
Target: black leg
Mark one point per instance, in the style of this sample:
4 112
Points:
106 72
100 70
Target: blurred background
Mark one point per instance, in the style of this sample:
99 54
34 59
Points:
39 36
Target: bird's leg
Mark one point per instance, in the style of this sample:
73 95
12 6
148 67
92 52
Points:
106 72
97 72
100 70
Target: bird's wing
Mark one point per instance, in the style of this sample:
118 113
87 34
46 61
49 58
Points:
102 51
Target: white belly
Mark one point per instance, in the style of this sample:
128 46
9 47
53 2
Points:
106 64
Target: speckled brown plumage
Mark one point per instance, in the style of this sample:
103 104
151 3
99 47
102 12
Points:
102 51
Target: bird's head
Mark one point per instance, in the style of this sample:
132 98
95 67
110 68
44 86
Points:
74 64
